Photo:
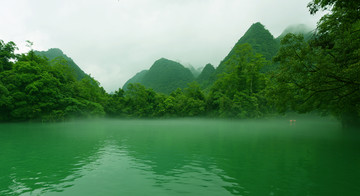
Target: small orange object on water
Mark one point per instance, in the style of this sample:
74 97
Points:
292 121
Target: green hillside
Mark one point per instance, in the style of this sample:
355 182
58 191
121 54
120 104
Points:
206 75
55 54
164 76
135 79
34 88
260 40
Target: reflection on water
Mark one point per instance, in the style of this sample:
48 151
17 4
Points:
192 157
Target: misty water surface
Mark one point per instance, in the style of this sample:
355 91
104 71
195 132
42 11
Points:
179 157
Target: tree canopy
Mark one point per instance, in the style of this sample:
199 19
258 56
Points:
32 89
323 74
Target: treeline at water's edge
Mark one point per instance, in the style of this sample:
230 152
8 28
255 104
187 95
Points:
317 71
35 88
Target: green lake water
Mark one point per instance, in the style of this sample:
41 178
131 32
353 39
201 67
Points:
179 157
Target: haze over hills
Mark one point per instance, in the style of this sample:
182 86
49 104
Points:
166 76
297 29
195 71
162 76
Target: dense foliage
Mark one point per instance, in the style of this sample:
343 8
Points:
323 74
31 89
239 91
34 88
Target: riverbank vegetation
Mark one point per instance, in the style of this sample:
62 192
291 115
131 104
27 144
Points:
320 73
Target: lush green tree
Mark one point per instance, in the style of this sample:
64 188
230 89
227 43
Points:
194 91
324 73
5 100
140 102
32 89
6 55
169 107
115 104
236 92
195 104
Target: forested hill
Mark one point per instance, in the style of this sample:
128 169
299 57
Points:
138 78
34 88
55 54
261 41
257 36
164 76
264 43
206 76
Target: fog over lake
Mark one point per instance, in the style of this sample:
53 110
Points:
179 157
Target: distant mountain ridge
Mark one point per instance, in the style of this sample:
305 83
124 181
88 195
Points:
165 75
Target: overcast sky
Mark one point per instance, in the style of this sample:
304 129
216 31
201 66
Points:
114 39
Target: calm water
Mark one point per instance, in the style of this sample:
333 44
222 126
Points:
179 157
